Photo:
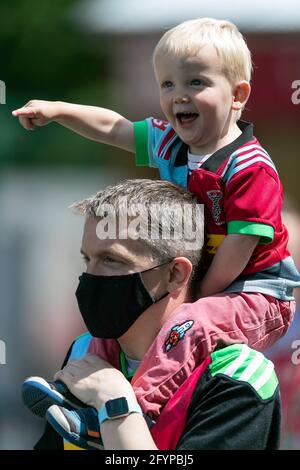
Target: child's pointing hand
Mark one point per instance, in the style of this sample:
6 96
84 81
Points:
36 113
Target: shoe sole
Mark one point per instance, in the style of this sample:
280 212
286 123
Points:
38 396
55 417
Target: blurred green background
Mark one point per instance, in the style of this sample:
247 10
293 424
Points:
45 56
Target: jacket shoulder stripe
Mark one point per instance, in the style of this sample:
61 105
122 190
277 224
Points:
253 366
235 365
243 364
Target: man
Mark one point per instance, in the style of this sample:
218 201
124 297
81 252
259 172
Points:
151 354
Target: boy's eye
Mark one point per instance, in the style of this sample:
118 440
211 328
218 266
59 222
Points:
167 84
196 82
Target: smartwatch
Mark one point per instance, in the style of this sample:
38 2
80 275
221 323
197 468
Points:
118 408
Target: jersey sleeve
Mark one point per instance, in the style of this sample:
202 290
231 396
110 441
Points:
228 414
253 201
149 138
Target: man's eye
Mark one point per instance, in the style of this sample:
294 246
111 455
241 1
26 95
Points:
196 82
167 84
110 260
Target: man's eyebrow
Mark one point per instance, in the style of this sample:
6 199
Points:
110 253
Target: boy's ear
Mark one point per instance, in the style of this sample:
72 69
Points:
241 94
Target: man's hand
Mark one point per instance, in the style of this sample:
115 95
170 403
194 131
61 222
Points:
36 113
94 381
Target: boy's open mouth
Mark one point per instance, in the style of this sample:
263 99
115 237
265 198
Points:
186 118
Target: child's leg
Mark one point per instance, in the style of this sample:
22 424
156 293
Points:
246 317
207 324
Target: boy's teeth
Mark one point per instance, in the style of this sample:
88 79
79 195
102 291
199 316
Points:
186 117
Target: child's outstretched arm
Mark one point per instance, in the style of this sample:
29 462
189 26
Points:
100 124
230 260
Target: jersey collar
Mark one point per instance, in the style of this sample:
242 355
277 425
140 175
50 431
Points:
216 159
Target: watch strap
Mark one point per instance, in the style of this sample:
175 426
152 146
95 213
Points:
133 407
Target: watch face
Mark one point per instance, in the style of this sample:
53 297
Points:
117 407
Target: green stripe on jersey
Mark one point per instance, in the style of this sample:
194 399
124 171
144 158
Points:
242 363
141 143
265 232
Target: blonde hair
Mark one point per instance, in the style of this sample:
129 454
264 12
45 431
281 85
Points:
186 39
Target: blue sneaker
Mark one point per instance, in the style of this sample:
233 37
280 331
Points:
38 395
79 427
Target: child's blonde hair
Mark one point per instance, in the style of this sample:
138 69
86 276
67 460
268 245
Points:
186 39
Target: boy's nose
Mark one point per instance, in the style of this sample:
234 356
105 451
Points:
181 99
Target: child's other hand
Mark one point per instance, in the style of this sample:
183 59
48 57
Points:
36 113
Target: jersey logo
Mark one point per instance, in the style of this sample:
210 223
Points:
177 333
213 242
160 124
215 195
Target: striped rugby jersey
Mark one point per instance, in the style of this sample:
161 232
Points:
242 194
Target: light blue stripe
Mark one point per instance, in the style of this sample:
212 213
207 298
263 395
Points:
278 281
167 145
253 147
252 154
245 165
80 347
157 135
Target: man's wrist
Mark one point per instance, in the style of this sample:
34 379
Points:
121 390
118 408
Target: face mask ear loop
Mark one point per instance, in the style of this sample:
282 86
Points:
143 285
157 266
142 282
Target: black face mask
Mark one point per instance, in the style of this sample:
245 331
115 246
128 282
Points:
109 305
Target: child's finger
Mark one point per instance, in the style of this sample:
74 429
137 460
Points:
27 123
29 112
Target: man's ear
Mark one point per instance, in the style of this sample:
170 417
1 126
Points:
241 95
179 274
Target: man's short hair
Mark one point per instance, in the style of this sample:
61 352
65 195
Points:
168 214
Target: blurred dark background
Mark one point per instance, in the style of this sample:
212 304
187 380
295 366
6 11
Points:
98 52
